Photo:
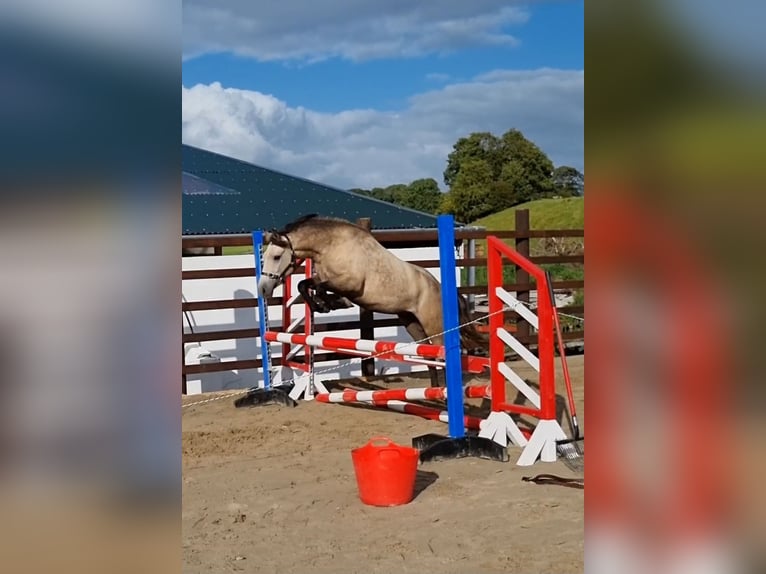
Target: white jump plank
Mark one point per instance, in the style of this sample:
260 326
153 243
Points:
291 301
294 351
517 306
295 324
516 345
520 384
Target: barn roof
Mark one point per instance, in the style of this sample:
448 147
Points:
223 195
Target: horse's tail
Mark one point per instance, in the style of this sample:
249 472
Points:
470 336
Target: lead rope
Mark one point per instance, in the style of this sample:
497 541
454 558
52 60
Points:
578 483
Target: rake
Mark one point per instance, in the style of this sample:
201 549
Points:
569 449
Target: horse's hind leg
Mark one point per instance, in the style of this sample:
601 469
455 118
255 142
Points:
416 331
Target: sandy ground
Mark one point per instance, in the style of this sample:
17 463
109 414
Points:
272 489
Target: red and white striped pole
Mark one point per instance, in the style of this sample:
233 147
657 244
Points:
378 347
430 413
383 395
420 354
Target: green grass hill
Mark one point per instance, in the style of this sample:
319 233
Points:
561 213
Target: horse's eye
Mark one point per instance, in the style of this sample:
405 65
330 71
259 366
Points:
276 258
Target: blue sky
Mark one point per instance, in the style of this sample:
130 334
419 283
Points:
553 37
389 86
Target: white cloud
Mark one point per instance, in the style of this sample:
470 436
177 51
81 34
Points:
362 30
367 148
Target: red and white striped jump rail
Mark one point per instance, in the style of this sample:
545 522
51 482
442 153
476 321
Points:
384 395
408 352
430 413
392 399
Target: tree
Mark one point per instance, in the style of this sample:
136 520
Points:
471 195
526 169
568 182
397 193
478 145
423 195
510 169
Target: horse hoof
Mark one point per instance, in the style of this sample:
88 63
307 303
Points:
322 309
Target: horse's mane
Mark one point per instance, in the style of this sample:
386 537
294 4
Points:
322 222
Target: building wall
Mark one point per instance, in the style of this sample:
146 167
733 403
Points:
237 349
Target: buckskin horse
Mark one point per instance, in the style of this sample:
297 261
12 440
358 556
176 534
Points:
352 268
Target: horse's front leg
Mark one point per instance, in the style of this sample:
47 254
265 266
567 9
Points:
332 300
315 303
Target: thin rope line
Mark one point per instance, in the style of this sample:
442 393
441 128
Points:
531 307
581 319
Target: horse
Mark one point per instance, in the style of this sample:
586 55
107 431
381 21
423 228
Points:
352 268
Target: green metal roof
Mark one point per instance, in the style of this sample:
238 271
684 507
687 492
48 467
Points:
223 195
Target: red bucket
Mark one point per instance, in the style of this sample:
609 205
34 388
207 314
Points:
385 473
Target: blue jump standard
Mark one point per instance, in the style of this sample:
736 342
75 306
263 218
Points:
267 395
458 444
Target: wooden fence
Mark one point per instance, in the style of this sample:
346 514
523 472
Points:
521 236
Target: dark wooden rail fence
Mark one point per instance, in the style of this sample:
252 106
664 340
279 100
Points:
367 324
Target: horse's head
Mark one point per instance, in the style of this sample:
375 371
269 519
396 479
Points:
279 261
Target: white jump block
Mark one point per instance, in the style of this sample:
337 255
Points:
500 428
542 443
281 375
305 388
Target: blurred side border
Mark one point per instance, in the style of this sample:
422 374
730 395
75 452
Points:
674 214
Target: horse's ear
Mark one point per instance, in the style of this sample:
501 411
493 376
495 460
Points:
274 238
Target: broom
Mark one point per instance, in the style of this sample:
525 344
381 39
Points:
568 448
